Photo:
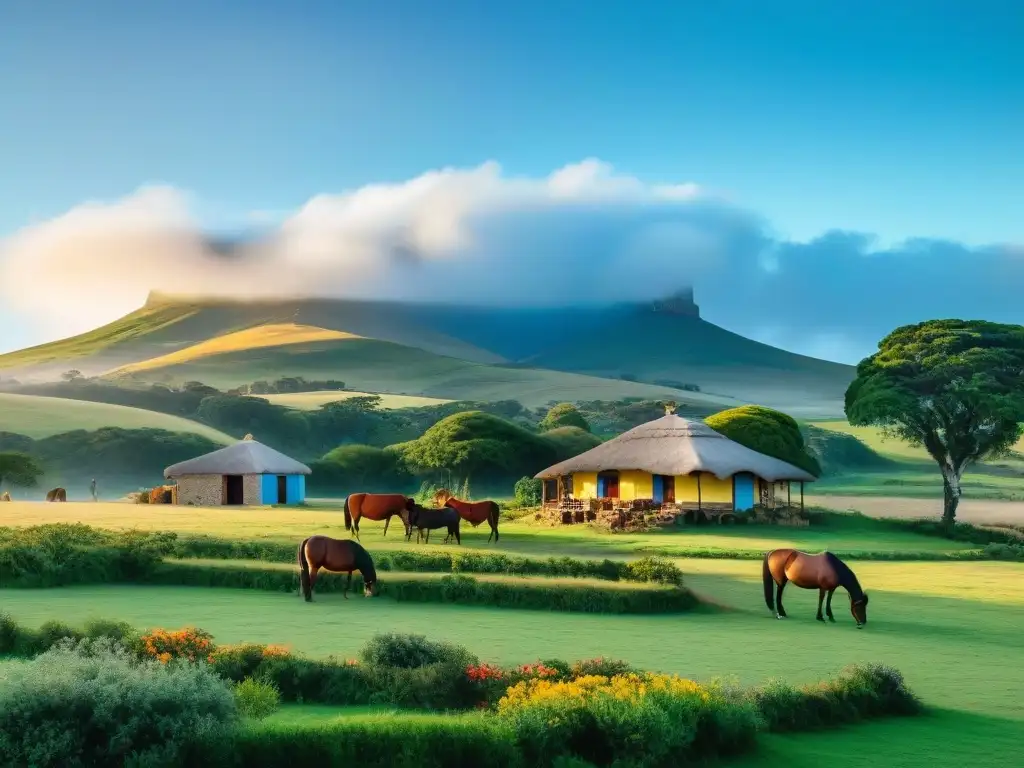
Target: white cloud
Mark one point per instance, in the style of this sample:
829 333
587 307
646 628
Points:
99 260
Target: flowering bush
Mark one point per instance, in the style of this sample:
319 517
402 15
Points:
480 672
188 643
600 666
654 719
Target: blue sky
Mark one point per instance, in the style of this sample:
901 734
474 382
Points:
898 119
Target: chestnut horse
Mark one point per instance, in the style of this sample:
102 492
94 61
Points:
476 512
336 555
375 506
824 572
57 494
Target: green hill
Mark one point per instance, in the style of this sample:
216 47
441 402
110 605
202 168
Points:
478 353
660 347
167 324
371 365
39 417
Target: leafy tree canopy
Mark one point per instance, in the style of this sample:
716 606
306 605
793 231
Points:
366 468
563 415
766 431
569 442
19 469
954 387
476 444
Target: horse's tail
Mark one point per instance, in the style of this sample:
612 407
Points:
769 583
307 588
348 514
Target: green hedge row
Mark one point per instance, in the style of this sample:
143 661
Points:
645 569
390 742
453 588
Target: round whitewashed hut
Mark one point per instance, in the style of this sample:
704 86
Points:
246 473
676 461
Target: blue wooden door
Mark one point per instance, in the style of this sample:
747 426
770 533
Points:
602 486
659 489
743 491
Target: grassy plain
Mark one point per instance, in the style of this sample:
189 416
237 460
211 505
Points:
952 628
842 534
39 417
310 401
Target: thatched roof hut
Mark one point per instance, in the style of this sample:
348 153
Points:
247 472
675 461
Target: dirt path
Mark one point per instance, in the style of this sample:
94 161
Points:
977 511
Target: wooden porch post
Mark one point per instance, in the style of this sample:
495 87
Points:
543 492
789 493
801 495
699 507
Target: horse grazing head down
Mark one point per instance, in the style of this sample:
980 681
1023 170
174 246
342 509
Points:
859 609
370 588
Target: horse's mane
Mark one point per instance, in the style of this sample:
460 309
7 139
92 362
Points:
364 563
847 578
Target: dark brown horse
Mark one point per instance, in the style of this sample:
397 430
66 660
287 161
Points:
375 506
476 512
57 494
424 519
824 572
338 555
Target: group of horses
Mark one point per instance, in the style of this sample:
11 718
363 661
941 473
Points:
448 513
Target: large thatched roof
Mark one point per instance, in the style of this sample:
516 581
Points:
673 445
246 457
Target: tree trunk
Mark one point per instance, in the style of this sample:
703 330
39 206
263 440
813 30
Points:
951 492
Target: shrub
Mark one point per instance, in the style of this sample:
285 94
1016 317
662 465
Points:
655 569
858 692
563 415
646 719
93 703
189 643
527 491
601 666
256 699
410 652
766 431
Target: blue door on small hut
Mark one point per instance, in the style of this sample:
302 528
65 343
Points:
743 491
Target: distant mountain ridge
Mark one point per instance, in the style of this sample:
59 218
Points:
665 345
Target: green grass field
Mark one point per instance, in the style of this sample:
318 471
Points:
952 629
39 417
914 474
310 401
291 525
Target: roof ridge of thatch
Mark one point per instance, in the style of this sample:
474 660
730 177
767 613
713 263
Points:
245 457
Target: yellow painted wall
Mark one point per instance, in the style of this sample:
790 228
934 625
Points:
584 485
686 489
715 491
634 484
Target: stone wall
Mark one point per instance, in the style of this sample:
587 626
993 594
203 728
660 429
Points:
201 490
252 489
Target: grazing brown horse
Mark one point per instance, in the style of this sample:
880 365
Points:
824 572
57 494
476 512
375 506
338 555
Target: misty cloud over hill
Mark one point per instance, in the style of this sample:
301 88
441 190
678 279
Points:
580 235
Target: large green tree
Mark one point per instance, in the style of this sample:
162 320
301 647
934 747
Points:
954 387
766 431
19 470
